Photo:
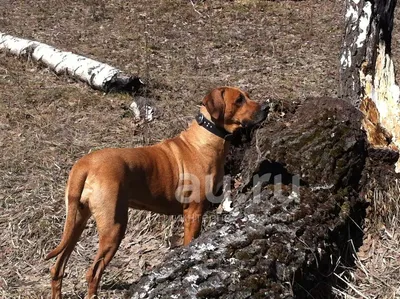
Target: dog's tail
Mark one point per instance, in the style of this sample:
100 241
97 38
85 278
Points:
75 185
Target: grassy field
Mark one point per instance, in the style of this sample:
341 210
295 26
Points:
273 49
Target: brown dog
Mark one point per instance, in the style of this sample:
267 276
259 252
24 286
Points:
172 177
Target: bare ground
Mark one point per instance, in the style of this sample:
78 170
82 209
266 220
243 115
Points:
274 49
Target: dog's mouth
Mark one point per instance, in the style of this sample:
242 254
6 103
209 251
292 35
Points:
247 124
258 117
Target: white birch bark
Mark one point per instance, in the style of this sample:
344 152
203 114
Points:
98 75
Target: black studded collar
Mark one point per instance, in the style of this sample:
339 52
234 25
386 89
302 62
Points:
211 127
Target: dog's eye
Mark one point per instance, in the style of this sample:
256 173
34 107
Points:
240 100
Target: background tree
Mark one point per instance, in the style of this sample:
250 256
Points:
367 73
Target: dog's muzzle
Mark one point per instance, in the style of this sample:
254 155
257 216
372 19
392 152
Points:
257 117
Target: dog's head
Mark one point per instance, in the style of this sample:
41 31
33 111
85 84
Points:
231 108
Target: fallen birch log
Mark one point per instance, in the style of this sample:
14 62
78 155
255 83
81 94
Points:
98 75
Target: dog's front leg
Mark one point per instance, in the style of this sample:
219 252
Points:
192 216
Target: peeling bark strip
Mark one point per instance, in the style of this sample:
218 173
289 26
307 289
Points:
98 75
367 69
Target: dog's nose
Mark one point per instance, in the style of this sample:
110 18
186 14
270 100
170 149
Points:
264 106
259 116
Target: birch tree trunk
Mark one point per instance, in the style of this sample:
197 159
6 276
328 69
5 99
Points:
367 74
98 75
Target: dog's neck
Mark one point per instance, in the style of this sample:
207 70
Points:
211 126
212 141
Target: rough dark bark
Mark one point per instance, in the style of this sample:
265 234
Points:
279 244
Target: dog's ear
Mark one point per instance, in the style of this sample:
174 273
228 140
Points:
215 103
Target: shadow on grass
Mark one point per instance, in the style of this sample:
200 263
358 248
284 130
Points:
116 285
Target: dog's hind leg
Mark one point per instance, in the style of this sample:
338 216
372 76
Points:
57 271
111 219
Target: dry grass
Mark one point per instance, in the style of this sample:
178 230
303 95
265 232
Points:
377 273
281 49
378 268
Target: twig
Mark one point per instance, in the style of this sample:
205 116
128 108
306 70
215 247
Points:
259 154
352 287
194 8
